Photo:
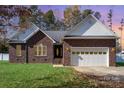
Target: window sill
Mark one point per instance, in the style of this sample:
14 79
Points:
40 56
18 55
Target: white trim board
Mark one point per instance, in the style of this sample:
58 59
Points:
90 37
30 35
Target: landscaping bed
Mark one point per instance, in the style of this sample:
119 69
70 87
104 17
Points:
104 82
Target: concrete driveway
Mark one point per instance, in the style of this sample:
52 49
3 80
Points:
101 70
109 73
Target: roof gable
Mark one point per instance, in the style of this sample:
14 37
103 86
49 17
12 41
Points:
23 36
90 26
56 35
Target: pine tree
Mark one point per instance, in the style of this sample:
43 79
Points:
121 29
110 15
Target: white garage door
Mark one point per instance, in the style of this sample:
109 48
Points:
89 56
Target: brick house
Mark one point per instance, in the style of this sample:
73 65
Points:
89 43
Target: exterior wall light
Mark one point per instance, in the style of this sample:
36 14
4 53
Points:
68 49
113 49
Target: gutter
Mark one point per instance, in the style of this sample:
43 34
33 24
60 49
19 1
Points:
90 37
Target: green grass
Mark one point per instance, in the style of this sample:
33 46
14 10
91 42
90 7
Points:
3 61
120 63
40 75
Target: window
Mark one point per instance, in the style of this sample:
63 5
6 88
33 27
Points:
78 52
73 52
18 50
44 50
100 53
95 53
40 50
104 53
86 52
82 52
91 52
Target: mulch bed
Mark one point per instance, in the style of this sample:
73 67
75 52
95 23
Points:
107 81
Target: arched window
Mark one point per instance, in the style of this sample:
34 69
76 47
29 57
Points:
40 50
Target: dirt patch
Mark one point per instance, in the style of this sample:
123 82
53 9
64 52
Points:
107 81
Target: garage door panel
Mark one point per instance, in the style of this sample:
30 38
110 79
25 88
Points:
75 61
89 56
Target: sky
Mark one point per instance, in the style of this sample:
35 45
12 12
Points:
118 13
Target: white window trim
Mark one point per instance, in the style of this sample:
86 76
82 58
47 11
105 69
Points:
42 47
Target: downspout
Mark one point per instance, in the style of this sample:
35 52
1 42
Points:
26 58
53 55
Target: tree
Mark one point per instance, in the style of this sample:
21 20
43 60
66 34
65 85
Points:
86 12
72 16
97 15
7 13
34 13
37 17
59 25
118 47
121 29
3 41
49 17
110 15
68 17
76 14
10 12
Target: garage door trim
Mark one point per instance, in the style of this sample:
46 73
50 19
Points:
92 48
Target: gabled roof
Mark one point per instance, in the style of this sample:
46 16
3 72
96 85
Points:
91 26
23 36
11 32
56 35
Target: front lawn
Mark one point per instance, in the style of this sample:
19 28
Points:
45 75
40 75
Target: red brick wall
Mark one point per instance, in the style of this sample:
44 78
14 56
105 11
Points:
12 54
67 43
38 38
